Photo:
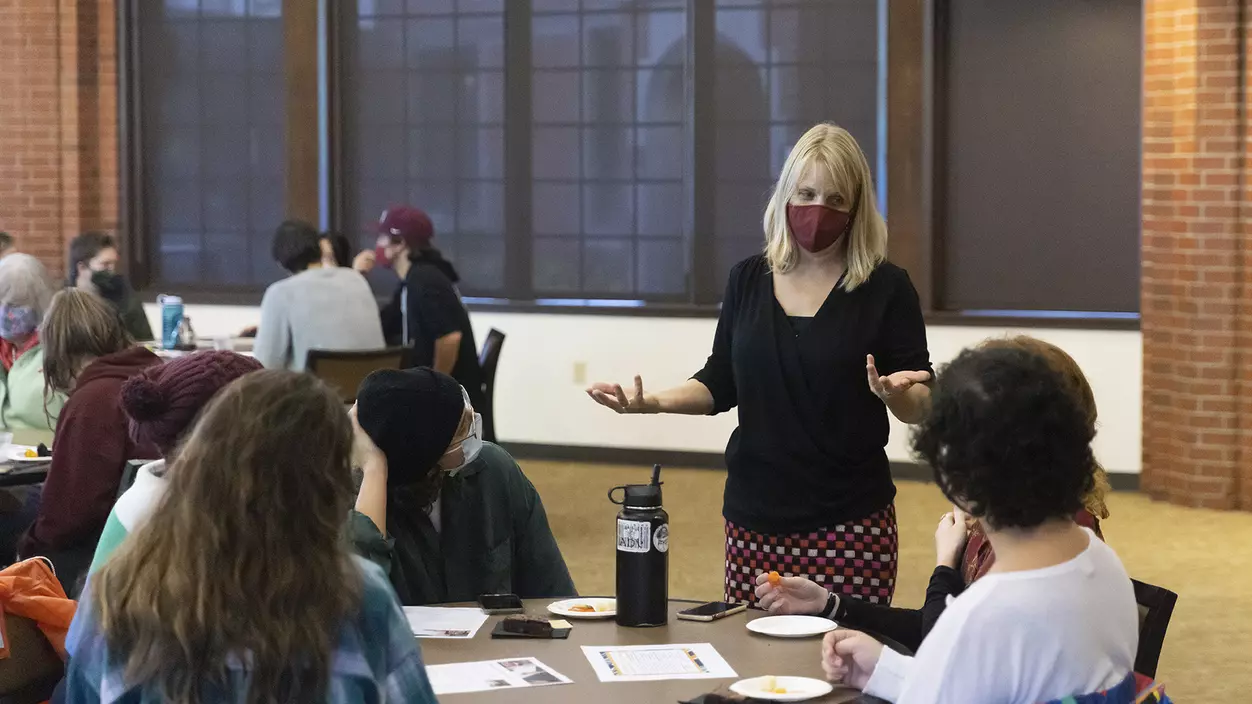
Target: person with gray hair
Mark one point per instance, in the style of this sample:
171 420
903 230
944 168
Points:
26 290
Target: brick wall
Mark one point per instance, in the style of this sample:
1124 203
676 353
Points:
1196 298
58 122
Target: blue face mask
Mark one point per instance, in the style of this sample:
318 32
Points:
472 445
17 322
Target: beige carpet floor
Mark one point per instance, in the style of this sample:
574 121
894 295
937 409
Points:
1204 556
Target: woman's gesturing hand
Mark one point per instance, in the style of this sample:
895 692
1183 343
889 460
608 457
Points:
612 396
885 387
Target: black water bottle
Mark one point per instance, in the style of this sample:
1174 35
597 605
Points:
642 554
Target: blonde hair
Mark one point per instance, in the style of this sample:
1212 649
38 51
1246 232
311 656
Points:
834 148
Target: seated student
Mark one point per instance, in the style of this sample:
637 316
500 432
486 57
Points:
449 516
1056 615
315 308
26 291
93 261
238 587
162 403
425 309
964 554
88 355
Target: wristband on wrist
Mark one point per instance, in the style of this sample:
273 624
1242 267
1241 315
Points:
832 606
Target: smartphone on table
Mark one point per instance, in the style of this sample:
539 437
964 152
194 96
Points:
500 603
711 611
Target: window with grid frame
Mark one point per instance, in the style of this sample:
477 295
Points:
213 140
780 67
608 148
425 93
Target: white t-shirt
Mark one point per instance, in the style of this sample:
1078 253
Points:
1024 637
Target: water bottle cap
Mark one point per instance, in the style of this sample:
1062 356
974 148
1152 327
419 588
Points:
167 300
642 496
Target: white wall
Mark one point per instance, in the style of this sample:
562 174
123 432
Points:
540 399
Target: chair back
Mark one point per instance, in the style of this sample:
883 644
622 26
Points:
488 360
344 370
129 471
1156 606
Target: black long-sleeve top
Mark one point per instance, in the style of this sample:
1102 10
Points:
809 450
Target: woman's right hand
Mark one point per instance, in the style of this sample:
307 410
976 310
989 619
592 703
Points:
792 595
612 396
365 454
364 261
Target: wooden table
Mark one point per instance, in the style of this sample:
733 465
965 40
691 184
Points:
15 474
749 654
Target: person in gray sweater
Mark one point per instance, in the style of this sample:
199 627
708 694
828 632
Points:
315 308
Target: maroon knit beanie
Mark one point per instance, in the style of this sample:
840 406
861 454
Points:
165 399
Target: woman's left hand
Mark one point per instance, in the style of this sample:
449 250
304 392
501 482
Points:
892 385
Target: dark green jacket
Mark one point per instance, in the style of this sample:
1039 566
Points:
495 538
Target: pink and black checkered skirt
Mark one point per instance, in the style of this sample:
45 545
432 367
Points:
855 559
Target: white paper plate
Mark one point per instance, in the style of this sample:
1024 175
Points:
792 626
17 453
798 688
605 608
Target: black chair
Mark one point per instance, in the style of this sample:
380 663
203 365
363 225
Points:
489 359
344 370
1156 606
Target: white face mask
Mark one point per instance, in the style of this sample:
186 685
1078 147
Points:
472 445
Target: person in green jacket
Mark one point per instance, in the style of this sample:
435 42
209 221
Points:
25 292
447 516
93 262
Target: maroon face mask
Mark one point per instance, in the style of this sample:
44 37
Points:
380 257
817 227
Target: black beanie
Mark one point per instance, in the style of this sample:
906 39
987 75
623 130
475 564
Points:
411 415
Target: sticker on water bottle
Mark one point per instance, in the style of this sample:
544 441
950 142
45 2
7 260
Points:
634 536
661 538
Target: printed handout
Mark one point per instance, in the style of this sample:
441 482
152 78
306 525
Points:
642 663
488 675
435 622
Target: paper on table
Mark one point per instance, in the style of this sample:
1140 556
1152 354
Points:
462 677
435 622
642 663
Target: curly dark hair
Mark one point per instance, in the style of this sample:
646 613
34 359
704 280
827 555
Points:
1007 439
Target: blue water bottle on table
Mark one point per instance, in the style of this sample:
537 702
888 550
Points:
171 319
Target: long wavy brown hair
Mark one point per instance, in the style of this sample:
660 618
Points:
242 559
1076 383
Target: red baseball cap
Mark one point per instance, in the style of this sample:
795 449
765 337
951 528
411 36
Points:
409 224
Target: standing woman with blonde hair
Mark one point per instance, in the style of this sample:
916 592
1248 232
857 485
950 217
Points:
818 338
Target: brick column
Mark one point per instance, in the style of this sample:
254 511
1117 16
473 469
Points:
58 122
1197 255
